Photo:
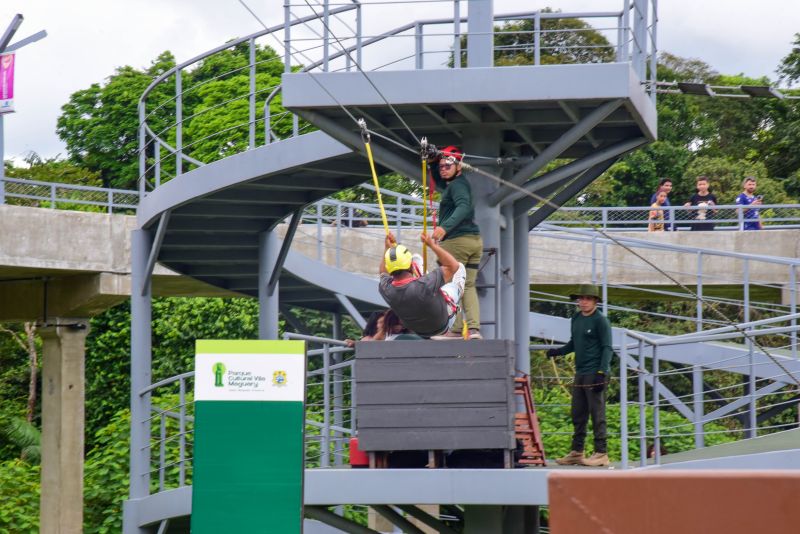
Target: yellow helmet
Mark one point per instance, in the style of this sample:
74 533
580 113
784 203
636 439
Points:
397 258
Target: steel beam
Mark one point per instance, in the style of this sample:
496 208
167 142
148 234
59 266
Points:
553 150
154 250
574 167
267 302
480 34
560 198
351 310
664 392
574 114
388 158
287 242
323 515
470 112
743 401
428 519
294 320
522 294
10 31
397 519
141 344
38 36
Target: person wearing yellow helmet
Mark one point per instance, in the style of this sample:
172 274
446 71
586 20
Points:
425 303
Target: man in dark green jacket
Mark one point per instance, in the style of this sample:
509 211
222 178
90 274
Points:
458 234
591 343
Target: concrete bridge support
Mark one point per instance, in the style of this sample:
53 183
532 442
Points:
63 389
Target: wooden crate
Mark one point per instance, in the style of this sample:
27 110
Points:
435 395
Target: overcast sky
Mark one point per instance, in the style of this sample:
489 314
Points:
88 39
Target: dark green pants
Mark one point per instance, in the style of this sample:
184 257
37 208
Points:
585 403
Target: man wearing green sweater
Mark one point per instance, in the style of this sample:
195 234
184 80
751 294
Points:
591 343
458 234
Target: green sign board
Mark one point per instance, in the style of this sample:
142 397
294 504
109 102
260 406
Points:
248 436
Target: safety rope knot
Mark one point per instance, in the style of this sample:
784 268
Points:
365 137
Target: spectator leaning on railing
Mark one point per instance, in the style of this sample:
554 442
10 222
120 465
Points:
705 201
665 184
656 215
748 197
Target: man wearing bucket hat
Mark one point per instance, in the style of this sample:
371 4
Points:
591 343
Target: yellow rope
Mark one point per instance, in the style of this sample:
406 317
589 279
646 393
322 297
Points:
424 214
377 187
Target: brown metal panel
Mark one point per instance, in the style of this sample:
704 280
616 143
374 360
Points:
666 502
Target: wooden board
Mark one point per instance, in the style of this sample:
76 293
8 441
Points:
435 395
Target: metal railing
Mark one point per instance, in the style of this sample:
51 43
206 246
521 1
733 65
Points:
330 415
679 218
56 195
405 211
172 134
753 273
702 412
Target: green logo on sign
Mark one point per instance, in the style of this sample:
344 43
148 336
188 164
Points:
219 370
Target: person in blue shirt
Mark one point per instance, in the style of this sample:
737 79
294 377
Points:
751 220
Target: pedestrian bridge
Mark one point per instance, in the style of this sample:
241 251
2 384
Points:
84 259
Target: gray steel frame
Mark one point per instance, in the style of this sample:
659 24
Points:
208 181
756 364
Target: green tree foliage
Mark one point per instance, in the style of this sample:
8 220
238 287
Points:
53 170
100 124
562 41
726 177
19 507
789 68
14 381
106 476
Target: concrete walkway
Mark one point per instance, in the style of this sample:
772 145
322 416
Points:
81 261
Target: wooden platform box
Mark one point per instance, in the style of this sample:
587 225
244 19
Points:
435 395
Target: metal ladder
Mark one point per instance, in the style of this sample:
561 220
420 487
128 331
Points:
526 426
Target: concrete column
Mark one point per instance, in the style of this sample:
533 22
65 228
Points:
268 249
485 142
63 390
480 44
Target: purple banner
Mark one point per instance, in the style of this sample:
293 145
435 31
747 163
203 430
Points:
6 83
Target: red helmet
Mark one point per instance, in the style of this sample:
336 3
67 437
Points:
453 152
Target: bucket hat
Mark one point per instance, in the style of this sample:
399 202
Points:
587 290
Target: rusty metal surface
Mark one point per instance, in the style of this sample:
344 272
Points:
687 502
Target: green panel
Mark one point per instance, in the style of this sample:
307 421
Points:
250 346
248 467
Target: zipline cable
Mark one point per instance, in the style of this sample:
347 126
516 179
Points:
369 80
500 181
